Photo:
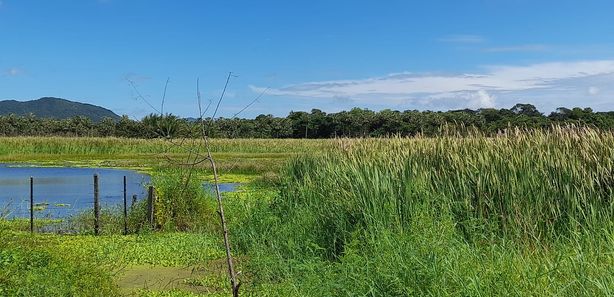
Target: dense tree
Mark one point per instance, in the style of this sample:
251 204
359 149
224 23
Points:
126 127
526 109
300 124
315 124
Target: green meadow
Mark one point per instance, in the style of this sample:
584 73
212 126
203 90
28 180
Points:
525 213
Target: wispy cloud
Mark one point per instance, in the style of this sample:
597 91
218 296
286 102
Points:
462 38
494 86
14 71
517 48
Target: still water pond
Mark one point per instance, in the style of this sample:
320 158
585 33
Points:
61 192
224 187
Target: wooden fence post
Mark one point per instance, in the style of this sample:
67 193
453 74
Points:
31 204
150 206
133 202
125 208
96 207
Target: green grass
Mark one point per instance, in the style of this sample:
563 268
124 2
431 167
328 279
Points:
527 214
86 265
524 214
118 146
233 156
30 266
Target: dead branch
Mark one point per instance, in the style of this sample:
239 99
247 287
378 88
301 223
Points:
231 272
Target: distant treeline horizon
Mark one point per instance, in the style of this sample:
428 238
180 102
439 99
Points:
357 122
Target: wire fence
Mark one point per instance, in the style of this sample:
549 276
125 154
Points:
97 205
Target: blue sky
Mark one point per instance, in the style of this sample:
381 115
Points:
331 55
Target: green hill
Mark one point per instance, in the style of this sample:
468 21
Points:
49 107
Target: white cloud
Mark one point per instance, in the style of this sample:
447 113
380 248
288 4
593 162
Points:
509 83
462 38
481 99
13 71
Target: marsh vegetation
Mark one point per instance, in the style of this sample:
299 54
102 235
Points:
525 213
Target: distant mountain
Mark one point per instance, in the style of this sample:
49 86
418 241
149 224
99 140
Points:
49 107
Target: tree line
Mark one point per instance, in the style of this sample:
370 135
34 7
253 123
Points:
356 122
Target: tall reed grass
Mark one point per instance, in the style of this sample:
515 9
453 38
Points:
524 213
